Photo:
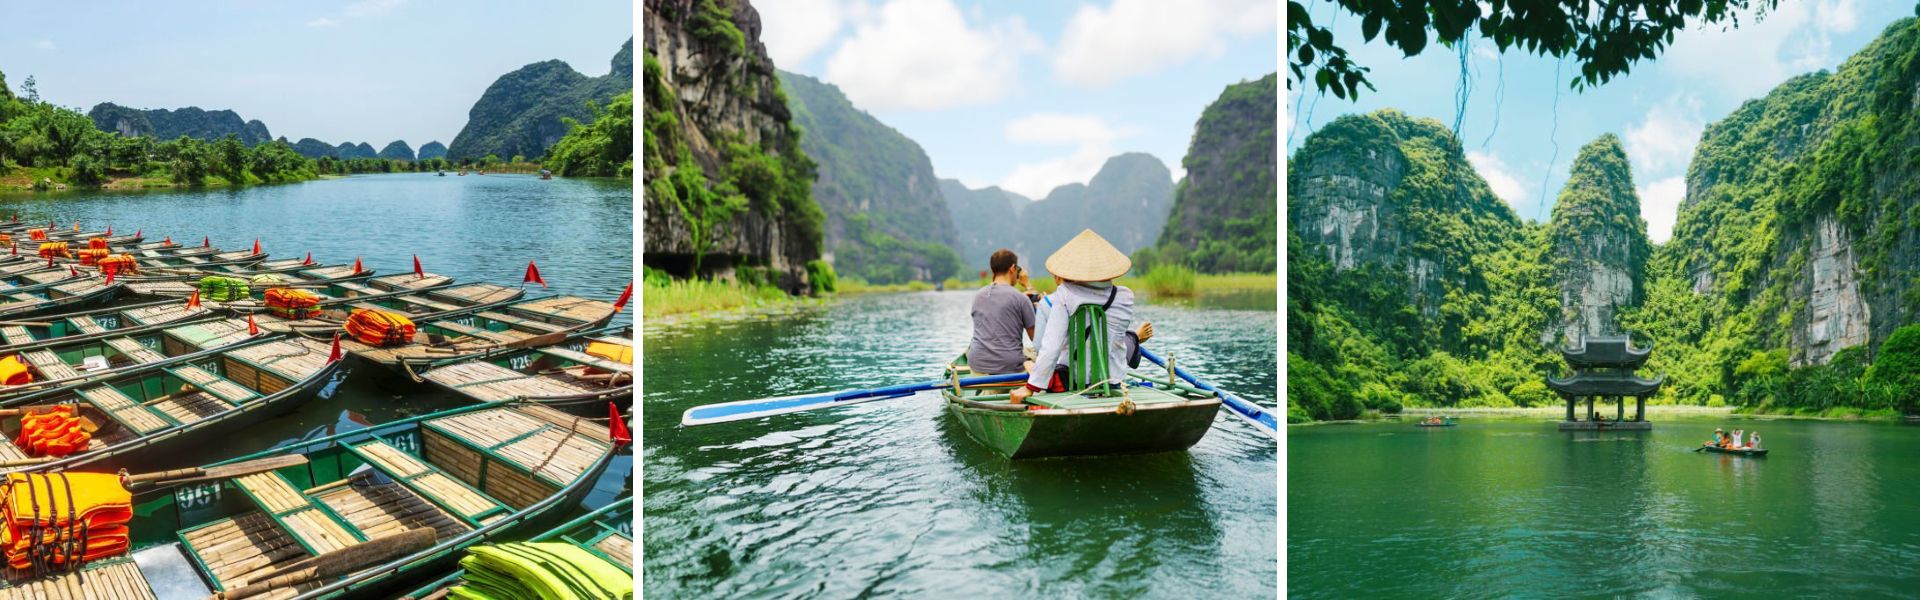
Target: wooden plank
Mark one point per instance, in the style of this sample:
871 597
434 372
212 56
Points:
224 389
15 334
49 365
86 324
133 350
293 359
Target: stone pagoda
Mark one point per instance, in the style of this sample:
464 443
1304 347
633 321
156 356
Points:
1603 367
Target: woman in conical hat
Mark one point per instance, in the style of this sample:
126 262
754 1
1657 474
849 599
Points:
1085 267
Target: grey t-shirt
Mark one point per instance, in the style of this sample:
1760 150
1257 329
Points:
1001 315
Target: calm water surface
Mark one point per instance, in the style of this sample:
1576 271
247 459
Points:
1498 507
892 498
474 228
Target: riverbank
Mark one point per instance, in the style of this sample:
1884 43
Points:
1654 413
683 299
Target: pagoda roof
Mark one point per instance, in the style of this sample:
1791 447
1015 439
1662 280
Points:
1605 384
1615 351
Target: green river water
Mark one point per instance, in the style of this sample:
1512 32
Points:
474 228
893 499
1501 507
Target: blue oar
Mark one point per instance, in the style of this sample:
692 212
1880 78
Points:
1252 413
766 407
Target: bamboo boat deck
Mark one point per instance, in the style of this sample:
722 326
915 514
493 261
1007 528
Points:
153 315
211 334
378 509
550 444
114 579
408 281
618 548
293 359
568 307
489 382
236 550
475 294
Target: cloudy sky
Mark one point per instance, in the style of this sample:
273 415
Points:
1028 96
1522 143
367 71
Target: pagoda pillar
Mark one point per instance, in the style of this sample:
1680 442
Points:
1619 408
1639 408
1570 402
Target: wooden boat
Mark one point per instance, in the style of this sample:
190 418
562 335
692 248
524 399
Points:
69 362
149 415
566 375
181 286
243 271
338 302
98 322
472 475
1734 451
1169 416
1446 423
606 532
73 294
520 323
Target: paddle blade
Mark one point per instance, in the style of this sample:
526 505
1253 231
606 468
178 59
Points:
1257 416
767 407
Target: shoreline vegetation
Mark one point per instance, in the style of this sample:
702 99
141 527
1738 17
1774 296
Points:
697 298
46 147
1555 413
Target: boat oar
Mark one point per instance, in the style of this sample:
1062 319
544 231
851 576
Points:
766 407
196 474
1253 414
336 563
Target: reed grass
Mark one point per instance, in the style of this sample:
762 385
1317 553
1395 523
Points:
683 297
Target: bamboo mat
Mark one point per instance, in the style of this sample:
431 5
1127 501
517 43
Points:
381 509
123 409
294 359
49 364
168 313
426 480
221 387
16 334
133 350
120 580
557 447
86 324
493 383
298 516
617 547
409 281
474 294
238 549
568 307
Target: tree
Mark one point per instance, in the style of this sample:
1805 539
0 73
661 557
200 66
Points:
1605 37
1898 366
230 159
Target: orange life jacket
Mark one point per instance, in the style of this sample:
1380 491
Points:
380 328
14 372
59 249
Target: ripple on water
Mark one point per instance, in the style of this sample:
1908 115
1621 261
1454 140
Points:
892 498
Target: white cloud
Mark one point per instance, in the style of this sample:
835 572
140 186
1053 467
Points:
1793 38
368 8
44 44
794 30
923 55
1660 206
1500 177
1092 138
322 22
1135 37
1664 140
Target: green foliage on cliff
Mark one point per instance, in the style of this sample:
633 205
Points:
1223 212
525 112
713 24
194 122
396 150
602 148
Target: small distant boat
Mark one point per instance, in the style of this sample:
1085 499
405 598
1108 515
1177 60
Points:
463 172
441 173
482 171
545 174
1735 451
1446 423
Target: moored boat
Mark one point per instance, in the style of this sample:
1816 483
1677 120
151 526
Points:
1128 419
580 374
69 294
340 300
98 322
468 476
66 362
521 323
1734 451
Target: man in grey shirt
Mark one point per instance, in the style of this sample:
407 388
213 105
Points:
1000 314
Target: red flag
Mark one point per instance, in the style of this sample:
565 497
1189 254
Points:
417 273
617 427
309 259
206 242
109 271
16 248
109 230
49 260
356 265
533 275
194 300
624 297
334 356
72 272
167 242
252 328
136 232
256 246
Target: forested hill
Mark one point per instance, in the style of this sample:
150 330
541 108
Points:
1126 202
887 221
982 219
1223 212
193 122
524 112
728 189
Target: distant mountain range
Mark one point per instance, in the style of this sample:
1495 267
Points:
523 113
167 124
1126 202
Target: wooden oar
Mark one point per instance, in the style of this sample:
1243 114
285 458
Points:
25 324
766 407
196 474
336 563
1253 414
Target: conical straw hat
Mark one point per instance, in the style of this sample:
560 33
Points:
1088 257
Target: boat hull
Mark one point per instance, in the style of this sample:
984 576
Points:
1736 451
1062 433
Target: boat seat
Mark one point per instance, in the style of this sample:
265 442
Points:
450 494
16 334
49 364
542 326
123 409
588 359
133 350
314 526
225 389
86 324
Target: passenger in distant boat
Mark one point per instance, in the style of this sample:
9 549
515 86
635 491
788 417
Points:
1753 441
1737 434
1085 267
1001 312
1718 436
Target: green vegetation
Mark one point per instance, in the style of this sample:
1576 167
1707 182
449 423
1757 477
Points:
167 124
526 111
1169 281
602 148
1223 212
666 296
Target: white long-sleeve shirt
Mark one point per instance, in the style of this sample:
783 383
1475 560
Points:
1050 324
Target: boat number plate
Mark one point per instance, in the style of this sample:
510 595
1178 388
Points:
151 344
108 322
404 443
199 496
521 362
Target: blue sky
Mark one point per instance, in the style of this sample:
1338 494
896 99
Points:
1028 96
367 71
1522 146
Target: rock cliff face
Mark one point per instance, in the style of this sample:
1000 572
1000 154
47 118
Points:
432 150
886 219
169 124
726 183
1600 245
523 113
1222 216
